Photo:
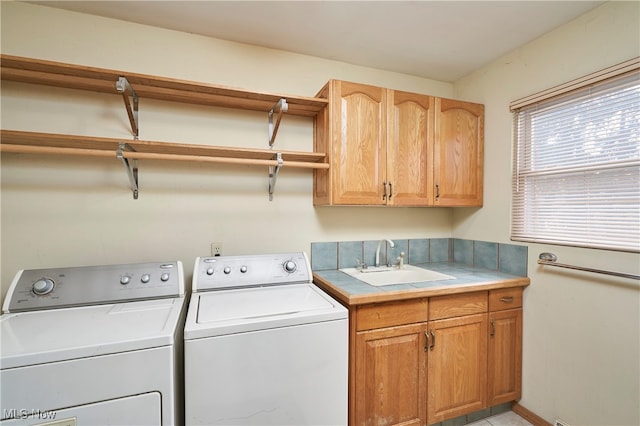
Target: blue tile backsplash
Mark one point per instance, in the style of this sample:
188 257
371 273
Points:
508 258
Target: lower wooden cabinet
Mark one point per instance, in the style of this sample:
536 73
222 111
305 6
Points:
505 356
457 373
422 361
391 376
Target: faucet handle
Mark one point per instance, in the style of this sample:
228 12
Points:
400 260
361 265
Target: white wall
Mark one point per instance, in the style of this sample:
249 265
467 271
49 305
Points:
581 330
75 211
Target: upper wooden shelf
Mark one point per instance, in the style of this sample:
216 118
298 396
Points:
37 71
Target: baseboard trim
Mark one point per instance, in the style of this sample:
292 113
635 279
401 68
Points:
530 416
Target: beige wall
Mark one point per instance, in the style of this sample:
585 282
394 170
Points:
581 338
581 331
68 211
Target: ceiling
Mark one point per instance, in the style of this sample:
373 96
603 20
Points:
440 40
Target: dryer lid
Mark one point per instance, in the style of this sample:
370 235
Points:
46 336
257 308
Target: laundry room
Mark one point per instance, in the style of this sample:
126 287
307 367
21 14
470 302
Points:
69 208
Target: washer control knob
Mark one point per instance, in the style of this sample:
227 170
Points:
164 277
243 269
290 266
42 286
125 279
145 278
227 270
210 270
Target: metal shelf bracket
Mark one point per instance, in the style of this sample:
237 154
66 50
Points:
278 109
273 175
123 87
132 171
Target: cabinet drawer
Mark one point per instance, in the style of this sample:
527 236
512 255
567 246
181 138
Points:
505 298
456 305
380 315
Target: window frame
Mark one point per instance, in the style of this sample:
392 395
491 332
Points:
519 222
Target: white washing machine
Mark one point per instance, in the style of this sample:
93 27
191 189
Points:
263 345
99 345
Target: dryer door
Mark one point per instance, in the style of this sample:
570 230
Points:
142 409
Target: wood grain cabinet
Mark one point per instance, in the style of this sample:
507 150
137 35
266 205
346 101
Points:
383 149
457 372
387 357
458 153
505 346
391 376
380 144
423 361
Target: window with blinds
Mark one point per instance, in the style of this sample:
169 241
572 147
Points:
576 177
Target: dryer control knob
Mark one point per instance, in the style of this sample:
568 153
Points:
210 271
145 278
290 266
164 277
42 286
243 269
125 279
227 270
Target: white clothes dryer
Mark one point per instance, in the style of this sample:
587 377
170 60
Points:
98 345
264 345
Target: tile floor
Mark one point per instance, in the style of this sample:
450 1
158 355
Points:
508 418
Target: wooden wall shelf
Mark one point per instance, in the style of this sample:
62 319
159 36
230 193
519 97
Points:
36 71
50 143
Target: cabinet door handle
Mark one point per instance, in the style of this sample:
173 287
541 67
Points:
507 299
384 194
437 191
493 328
390 190
433 340
426 344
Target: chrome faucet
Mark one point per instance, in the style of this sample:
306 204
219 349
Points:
378 250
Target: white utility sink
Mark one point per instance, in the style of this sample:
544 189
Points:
388 275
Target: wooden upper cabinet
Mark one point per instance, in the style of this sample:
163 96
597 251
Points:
394 148
378 142
409 149
458 153
352 133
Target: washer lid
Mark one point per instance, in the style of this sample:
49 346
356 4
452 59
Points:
249 309
46 336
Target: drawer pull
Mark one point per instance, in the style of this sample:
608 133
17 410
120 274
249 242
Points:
433 340
426 345
507 299
493 328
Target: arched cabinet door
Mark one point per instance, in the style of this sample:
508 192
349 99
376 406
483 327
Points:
410 148
458 153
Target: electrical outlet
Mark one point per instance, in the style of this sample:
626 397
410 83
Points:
216 249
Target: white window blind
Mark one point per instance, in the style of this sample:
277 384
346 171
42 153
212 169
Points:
577 166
